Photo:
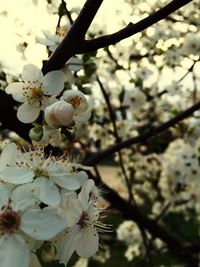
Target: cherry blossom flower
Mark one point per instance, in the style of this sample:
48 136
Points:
21 220
36 92
50 174
80 104
83 236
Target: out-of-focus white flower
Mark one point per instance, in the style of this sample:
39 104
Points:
191 45
134 99
129 232
52 40
36 92
59 114
19 218
80 104
83 236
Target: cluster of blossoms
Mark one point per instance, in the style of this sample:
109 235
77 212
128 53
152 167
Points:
38 94
39 206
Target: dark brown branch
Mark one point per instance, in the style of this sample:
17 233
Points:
74 38
117 138
131 29
9 119
143 137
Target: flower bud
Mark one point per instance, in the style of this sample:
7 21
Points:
59 114
36 133
48 252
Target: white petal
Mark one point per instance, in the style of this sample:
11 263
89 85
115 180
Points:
48 193
5 192
34 262
72 211
85 193
88 244
16 175
53 82
16 89
28 113
80 177
31 73
69 245
8 155
83 116
42 224
23 197
13 252
66 182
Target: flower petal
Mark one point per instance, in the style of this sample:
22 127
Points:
34 262
88 244
48 193
16 90
42 224
53 82
5 192
69 244
80 177
66 182
28 113
85 193
13 252
16 175
31 73
9 155
23 197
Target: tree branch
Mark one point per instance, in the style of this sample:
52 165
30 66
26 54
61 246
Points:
131 29
74 38
141 138
9 119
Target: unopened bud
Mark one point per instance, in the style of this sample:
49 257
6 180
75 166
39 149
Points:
59 114
36 133
48 252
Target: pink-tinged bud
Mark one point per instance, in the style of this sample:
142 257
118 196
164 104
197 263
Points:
59 114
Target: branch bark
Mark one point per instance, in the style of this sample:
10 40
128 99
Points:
131 29
74 38
143 137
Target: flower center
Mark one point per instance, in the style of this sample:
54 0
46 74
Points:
9 222
37 93
75 101
84 220
61 31
41 172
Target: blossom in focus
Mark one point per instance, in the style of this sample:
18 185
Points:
83 236
35 92
21 223
50 174
79 103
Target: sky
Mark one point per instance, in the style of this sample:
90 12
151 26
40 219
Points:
22 20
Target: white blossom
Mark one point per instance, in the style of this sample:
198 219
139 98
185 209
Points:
35 92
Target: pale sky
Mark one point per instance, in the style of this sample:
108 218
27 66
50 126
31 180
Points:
21 20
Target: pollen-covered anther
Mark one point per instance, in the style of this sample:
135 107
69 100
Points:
37 93
9 222
75 101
